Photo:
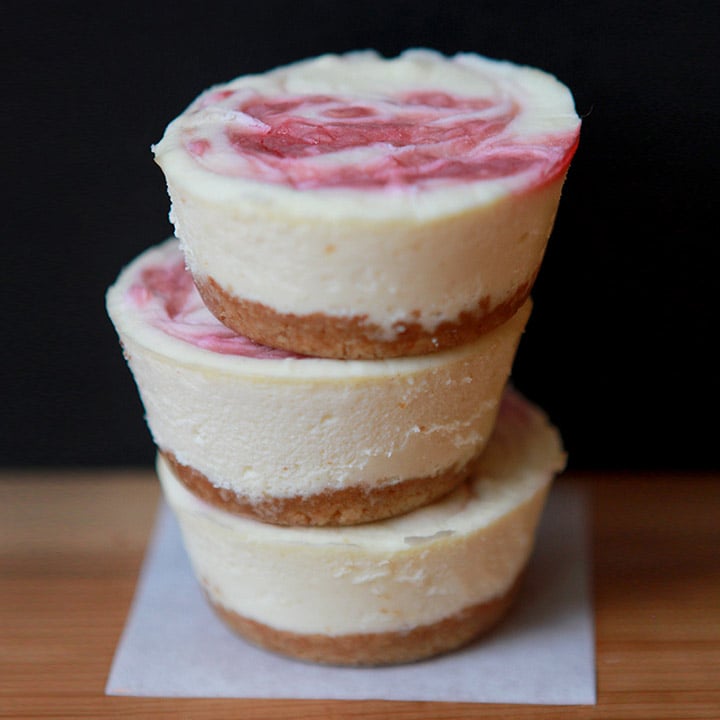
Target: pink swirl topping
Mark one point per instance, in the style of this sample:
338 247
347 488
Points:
167 298
322 141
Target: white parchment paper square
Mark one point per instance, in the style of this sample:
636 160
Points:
173 645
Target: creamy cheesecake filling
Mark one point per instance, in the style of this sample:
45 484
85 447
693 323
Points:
386 274
267 426
388 576
402 191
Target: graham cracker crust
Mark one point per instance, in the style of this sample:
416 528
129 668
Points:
346 506
372 649
352 338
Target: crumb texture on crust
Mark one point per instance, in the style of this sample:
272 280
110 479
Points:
345 506
353 338
373 649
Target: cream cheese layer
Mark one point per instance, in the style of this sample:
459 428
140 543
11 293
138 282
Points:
266 424
391 575
414 188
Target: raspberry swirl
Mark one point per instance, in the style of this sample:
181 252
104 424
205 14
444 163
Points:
414 138
165 294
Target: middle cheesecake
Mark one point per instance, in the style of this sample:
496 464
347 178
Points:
290 439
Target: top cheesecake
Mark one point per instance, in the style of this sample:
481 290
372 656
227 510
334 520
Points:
351 206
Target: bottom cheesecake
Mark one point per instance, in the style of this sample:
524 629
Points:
390 591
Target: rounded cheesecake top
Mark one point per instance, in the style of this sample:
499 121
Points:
465 128
522 457
154 302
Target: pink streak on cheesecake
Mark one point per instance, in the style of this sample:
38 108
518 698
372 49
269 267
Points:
418 137
168 299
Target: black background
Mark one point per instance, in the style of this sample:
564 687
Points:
620 349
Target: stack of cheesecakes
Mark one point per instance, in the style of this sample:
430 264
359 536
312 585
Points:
323 351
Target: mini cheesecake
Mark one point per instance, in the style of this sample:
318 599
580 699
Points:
393 591
297 440
356 207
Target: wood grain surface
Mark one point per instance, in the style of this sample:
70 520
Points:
71 545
